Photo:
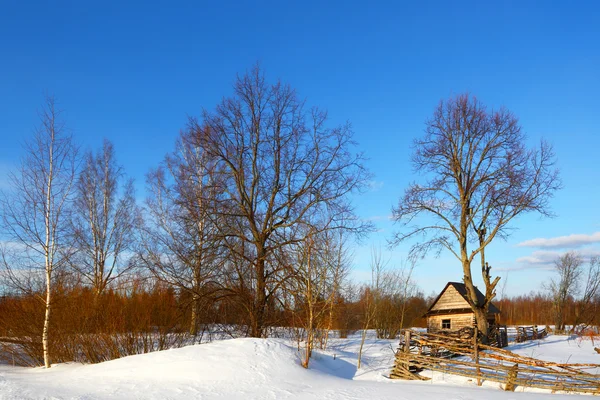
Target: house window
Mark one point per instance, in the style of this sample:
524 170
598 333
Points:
445 324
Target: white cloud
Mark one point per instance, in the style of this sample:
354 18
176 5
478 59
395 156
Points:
543 258
375 185
388 217
562 242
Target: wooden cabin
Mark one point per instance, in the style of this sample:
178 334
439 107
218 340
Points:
451 311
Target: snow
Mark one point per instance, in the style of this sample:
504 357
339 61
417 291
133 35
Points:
561 349
267 369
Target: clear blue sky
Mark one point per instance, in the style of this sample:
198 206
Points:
133 71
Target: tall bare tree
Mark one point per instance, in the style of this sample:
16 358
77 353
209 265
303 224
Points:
480 177
372 297
588 305
280 165
104 220
320 269
573 285
337 258
568 267
181 245
35 212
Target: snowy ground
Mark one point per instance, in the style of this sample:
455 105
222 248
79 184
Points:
267 369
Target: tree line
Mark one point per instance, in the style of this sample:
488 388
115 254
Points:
249 221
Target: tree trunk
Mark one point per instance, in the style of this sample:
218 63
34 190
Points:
310 316
309 339
329 323
47 321
195 312
362 343
48 254
479 310
482 324
256 330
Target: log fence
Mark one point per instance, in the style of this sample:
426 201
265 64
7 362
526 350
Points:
462 354
525 333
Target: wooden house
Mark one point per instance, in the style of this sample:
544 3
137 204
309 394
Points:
451 310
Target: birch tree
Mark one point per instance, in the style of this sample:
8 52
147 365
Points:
568 266
321 267
577 285
104 219
479 176
35 211
371 298
180 243
338 260
587 306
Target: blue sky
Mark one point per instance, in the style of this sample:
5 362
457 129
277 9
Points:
133 72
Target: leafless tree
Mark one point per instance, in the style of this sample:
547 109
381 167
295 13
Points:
392 290
587 306
280 166
574 283
321 268
480 176
35 211
568 266
180 243
337 258
408 290
104 219
372 295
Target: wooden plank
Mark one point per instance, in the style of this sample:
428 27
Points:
450 300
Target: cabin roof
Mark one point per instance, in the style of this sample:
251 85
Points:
462 290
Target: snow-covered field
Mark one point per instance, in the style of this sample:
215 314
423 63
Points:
268 369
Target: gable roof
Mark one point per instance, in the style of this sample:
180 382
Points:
462 290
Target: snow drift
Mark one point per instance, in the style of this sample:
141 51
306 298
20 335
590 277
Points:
240 369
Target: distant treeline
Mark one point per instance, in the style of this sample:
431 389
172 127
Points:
539 308
145 314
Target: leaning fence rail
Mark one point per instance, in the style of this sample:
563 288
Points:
460 354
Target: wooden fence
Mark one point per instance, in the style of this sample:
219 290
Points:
498 336
525 333
463 355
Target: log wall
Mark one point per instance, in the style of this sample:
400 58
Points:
457 321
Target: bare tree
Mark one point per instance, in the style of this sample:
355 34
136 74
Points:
371 297
408 290
280 166
104 220
573 285
392 290
587 305
321 267
312 280
180 243
481 176
568 267
35 212
338 259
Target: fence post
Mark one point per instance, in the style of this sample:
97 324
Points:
407 335
476 355
511 378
